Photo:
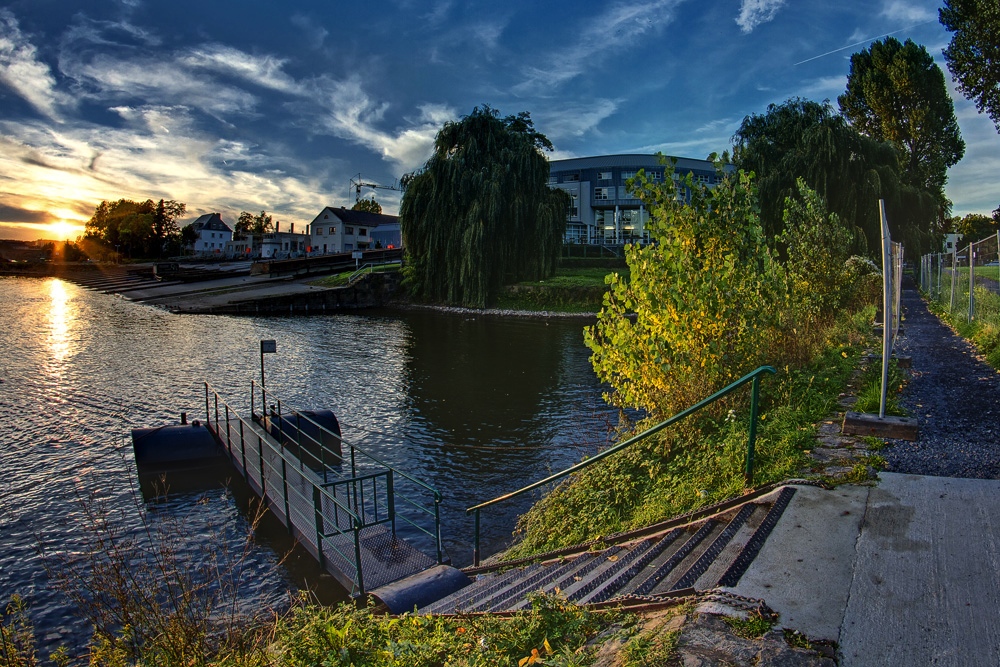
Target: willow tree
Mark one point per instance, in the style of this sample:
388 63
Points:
850 171
480 214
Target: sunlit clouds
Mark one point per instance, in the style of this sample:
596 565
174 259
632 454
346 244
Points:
273 106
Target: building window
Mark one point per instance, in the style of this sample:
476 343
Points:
604 175
362 231
326 216
571 178
349 230
333 230
627 175
319 231
553 180
601 193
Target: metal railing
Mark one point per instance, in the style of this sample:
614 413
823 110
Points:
369 268
960 277
326 450
297 495
752 377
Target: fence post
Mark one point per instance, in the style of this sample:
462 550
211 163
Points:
751 440
318 519
972 282
954 278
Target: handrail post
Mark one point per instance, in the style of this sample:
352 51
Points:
475 543
253 394
243 450
229 439
390 499
357 558
208 409
437 527
318 519
216 414
751 440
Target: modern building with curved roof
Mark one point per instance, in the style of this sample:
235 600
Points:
603 211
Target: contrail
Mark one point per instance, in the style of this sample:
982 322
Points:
865 41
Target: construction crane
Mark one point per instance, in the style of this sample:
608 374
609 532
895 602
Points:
358 183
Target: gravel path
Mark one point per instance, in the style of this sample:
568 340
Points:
955 397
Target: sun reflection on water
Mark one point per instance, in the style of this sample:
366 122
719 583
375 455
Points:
60 317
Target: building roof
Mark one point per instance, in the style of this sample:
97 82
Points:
364 218
211 222
625 160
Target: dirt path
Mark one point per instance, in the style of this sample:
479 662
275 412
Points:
955 397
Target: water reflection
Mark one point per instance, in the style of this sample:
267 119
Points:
60 317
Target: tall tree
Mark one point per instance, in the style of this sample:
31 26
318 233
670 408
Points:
135 228
256 226
369 205
480 214
973 56
851 172
974 226
895 92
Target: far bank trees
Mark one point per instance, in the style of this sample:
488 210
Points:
137 229
480 214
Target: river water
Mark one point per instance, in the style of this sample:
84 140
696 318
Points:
475 406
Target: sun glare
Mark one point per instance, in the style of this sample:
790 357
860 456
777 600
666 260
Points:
63 230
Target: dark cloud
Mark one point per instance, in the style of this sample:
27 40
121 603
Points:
15 214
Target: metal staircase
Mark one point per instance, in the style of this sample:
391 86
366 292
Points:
703 554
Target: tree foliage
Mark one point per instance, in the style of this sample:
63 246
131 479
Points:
896 93
802 139
974 226
973 56
256 226
480 214
818 246
368 205
147 229
704 296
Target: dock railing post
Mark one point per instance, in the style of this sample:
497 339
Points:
475 543
437 527
318 518
391 499
357 559
243 450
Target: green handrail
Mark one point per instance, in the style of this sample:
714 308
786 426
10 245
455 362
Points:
753 377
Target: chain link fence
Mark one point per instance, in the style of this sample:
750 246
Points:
954 278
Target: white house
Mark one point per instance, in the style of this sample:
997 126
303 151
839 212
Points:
284 245
213 234
337 230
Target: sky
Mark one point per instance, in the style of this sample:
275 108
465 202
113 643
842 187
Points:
261 105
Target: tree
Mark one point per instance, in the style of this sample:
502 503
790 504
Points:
135 228
975 226
256 226
896 93
700 304
368 205
480 214
851 172
973 56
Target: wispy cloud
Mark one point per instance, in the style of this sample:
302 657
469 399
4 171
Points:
24 72
632 19
575 120
910 11
314 34
755 12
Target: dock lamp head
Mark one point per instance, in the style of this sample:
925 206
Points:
266 347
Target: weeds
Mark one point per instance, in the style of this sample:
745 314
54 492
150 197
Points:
754 626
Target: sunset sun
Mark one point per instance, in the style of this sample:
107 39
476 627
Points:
63 230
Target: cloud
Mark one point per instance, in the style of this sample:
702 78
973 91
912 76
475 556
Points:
575 120
755 12
315 34
22 71
909 11
354 116
608 29
259 70
18 214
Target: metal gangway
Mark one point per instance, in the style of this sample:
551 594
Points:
340 502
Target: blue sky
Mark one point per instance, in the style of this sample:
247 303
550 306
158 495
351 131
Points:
251 105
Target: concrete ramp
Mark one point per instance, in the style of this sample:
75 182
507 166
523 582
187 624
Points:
903 573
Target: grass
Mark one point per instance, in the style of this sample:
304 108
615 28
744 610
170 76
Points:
570 290
341 279
870 393
984 329
699 461
754 626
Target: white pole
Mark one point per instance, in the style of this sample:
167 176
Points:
887 290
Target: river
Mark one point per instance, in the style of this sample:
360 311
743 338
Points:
476 406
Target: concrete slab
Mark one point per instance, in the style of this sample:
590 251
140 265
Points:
805 569
925 590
